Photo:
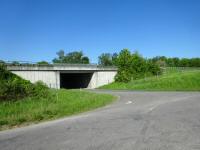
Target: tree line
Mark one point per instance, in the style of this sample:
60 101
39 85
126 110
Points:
176 62
131 65
110 59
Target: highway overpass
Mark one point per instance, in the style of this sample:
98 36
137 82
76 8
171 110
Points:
65 75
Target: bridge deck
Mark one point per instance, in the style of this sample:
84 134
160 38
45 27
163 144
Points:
60 67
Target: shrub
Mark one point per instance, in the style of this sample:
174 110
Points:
13 87
132 66
40 90
153 68
123 76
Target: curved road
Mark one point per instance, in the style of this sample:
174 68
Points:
137 121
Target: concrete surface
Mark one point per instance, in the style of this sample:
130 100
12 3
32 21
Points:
50 75
138 121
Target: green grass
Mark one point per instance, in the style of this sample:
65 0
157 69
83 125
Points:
171 80
63 103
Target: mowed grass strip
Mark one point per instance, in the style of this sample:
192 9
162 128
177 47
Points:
63 103
176 81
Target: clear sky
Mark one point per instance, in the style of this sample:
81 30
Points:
35 30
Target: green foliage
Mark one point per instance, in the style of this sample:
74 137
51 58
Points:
176 62
13 87
132 66
153 68
187 80
108 59
39 89
15 63
75 57
105 59
2 62
42 63
123 76
124 64
35 109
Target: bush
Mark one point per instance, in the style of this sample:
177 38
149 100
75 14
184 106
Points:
123 76
40 90
13 87
153 68
132 66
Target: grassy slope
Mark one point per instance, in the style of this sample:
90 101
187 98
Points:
174 81
67 102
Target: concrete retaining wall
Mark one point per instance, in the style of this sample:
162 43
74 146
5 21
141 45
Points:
50 78
101 78
50 75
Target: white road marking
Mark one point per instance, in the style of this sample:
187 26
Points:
129 102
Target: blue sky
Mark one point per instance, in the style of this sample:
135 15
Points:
35 30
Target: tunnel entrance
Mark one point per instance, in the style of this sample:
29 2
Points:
75 80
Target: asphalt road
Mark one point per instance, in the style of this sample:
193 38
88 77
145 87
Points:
137 121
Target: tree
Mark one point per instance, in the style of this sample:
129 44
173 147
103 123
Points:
195 62
160 60
75 57
133 66
114 59
42 63
15 63
184 62
108 59
176 61
170 62
2 62
61 56
105 59
124 61
85 60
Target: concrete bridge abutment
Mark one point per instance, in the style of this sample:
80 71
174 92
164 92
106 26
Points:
66 76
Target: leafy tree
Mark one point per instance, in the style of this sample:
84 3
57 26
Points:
42 63
161 63
184 62
153 68
105 59
133 66
85 60
124 64
157 58
138 66
176 61
114 59
2 62
75 57
108 59
61 56
15 63
170 62
195 62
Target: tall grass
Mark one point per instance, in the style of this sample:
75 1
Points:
63 103
172 80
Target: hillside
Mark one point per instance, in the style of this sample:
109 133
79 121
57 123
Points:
176 81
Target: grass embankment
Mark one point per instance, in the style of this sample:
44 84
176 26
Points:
172 80
63 103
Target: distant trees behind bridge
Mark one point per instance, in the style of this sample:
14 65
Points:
109 59
131 65
75 57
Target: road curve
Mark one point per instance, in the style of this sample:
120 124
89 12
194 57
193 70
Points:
137 121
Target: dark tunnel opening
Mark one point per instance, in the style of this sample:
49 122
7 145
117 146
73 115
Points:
75 80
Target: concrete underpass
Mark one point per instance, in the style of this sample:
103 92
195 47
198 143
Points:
75 80
66 75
